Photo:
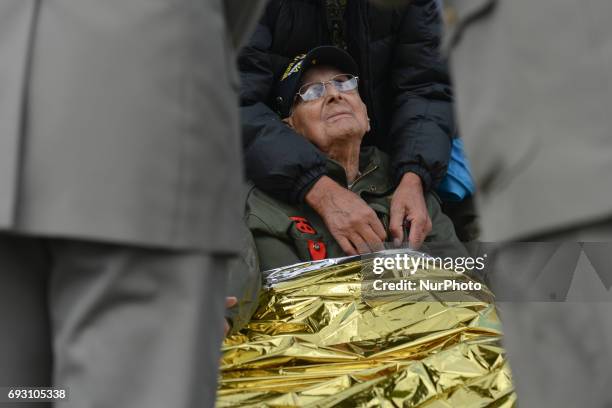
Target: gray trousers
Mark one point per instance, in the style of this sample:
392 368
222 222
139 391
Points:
560 352
118 326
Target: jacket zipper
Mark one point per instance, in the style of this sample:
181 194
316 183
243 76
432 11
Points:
365 173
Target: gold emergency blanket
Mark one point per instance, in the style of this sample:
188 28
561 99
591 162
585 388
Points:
323 337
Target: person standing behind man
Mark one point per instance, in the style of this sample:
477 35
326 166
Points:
119 172
533 86
404 84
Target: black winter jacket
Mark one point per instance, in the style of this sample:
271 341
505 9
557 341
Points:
403 81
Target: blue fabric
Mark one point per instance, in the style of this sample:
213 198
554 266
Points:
458 183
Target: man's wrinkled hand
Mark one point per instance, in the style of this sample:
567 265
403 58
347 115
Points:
353 224
408 206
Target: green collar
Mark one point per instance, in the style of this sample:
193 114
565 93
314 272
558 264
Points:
374 168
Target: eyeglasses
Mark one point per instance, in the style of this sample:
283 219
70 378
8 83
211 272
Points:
315 90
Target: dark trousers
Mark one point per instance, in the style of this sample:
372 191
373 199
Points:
464 216
118 326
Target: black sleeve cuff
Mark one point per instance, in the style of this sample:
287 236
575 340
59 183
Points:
419 171
305 183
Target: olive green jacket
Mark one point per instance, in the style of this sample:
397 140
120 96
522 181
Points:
285 234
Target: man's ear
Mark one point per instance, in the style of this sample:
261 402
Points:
365 108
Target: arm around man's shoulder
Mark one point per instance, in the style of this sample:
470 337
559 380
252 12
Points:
278 160
423 120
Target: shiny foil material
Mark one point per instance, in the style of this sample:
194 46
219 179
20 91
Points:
323 337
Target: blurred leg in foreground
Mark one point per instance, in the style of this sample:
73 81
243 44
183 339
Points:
532 89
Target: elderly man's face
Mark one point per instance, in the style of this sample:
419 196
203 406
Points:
331 118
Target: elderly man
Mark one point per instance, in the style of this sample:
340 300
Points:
403 82
319 99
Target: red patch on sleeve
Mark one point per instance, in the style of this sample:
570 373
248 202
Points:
303 225
317 250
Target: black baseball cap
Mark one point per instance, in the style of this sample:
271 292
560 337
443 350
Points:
289 84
